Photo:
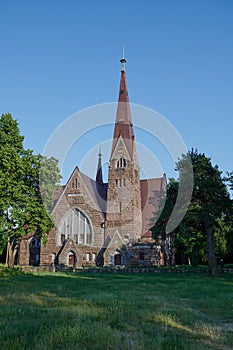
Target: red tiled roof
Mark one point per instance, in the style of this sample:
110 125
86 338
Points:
151 192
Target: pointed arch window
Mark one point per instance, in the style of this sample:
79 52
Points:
76 226
121 163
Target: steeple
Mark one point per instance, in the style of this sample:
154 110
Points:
123 123
123 212
99 174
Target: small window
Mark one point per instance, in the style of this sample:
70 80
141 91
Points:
116 183
93 256
88 256
121 163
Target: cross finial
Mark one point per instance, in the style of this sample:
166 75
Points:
123 60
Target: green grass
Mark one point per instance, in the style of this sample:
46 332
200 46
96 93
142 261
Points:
115 311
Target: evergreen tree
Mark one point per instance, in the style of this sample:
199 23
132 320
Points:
208 217
210 201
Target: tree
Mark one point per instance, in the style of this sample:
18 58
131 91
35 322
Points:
190 244
210 201
164 239
206 226
22 211
228 228
229 179
49 177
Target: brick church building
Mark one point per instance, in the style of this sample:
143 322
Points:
103 224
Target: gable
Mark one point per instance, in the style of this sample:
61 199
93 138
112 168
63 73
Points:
120 149
82 190
115 241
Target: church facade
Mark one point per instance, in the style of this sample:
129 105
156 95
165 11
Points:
104 224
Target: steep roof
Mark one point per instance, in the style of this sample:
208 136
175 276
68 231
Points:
151 193
123 124
57 193
98 192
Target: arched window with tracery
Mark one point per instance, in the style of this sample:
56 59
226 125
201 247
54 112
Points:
77 226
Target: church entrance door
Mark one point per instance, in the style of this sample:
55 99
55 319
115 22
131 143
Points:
117 259
71 259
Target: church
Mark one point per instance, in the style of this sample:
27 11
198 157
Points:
103 224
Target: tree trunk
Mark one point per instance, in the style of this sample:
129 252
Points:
7 250
11 252
210 249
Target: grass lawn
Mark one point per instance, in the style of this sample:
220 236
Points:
115 311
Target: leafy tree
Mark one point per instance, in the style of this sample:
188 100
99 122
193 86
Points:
210 201
49 177
22 211
190 244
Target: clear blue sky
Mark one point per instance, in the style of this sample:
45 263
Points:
58 57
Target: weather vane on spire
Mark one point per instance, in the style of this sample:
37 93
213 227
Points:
123 60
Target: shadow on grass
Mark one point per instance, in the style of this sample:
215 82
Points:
94 311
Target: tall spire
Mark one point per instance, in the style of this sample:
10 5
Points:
99 174
123 123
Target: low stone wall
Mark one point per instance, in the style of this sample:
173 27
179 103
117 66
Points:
120 269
